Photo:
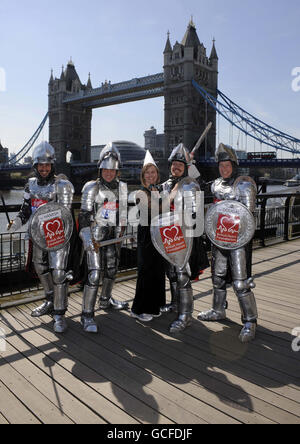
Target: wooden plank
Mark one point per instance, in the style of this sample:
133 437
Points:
269 339
63 371
267 342
187 369
188 330
283 317
113 349
3 421
134 379
265 332
34 400
86 365
104 370
204 395
268 329
266 320
143 374
13 410
42 380
269 312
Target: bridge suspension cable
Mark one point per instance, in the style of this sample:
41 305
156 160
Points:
26 148
249 124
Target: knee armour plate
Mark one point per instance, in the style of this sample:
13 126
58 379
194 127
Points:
94 278
59 277
219 283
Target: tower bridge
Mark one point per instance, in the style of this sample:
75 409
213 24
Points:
189 85
71 102
108 94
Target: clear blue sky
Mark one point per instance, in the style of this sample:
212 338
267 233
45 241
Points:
258 44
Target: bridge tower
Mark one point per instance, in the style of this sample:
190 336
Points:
69 125
186 112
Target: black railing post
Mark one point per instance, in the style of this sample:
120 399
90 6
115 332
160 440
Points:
286 218
263 221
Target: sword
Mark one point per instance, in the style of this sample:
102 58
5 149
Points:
201 138
5 211
108 242
193 170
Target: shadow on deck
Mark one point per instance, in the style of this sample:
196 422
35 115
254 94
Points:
133 373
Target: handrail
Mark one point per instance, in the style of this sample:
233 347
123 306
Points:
208 199
274 224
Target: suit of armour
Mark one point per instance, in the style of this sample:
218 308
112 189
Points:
99 221
180 282
241 189
50 266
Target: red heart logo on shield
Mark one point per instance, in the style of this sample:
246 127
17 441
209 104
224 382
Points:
171 234
168 235
54 227
227 228
54 232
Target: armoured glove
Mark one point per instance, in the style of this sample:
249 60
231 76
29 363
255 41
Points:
14 225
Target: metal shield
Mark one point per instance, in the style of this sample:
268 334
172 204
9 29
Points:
51 226
169 238
229 224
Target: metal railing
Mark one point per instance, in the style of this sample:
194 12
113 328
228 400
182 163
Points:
275 222
13 252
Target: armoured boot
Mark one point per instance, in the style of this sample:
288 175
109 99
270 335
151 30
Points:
106 300
88 306
218 312
173 306
186 306
60 307
249 316
248 332
47 307
60 324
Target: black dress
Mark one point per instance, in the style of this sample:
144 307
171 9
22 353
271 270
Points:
150 293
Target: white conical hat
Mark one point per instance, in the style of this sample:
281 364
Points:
149 159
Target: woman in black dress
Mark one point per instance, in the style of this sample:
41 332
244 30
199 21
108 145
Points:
150 289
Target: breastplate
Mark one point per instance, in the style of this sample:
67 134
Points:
41 194
223 190
106 213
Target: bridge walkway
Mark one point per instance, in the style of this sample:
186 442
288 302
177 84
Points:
136 373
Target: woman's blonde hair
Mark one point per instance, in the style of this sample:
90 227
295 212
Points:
145 168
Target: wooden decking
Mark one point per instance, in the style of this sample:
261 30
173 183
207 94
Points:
135 373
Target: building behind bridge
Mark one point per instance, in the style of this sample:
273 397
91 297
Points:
154 142
3 154
132 158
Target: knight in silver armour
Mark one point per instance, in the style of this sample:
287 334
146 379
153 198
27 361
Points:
180 283
243 189
100 220
50 266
